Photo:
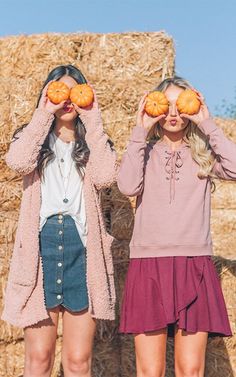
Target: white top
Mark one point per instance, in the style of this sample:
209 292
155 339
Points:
53 190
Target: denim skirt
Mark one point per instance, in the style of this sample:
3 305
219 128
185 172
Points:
64 264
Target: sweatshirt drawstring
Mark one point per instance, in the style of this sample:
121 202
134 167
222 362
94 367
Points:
173 163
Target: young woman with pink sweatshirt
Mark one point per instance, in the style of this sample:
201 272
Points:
62 258
172 286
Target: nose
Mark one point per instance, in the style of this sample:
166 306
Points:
173 109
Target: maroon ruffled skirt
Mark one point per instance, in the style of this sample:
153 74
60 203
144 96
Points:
166 291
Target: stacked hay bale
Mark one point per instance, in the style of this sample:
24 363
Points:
121 67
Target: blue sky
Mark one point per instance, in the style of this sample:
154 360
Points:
204 31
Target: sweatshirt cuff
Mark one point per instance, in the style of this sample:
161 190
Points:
207 126
138 134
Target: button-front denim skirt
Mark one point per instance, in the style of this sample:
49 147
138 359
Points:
64 264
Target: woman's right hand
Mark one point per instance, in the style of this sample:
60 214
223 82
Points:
46 104
145 120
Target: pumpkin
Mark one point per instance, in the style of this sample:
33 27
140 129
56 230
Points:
82 95
188 103
156 104
57 92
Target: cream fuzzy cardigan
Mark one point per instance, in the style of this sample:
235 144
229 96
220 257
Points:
24 297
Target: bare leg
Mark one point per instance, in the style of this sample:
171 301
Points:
40 341
78 335
150 352
190 350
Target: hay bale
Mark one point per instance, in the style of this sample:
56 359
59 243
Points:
224 195
119 212
228 126
223 225
106 359
11 360
120 66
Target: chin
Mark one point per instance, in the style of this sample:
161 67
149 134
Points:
174 129
67 117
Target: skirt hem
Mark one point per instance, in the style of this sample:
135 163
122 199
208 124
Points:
170 330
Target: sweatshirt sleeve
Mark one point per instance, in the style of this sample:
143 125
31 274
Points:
131 172
225 150
23 153
102 162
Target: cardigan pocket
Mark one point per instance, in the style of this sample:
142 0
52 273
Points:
20 271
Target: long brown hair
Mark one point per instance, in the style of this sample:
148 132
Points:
80 153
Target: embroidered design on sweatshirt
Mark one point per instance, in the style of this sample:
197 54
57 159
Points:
173 164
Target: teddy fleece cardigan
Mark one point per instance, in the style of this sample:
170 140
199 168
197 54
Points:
24 296
173 204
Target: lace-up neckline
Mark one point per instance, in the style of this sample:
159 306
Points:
173 163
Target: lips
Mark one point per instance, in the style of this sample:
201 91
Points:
173 122
68 108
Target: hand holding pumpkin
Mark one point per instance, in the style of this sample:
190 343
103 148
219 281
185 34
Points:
156 104
89 113
82 95
46 104
149 113
191 105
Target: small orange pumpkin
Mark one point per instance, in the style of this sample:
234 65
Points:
57 92
156 104
82 95
188 103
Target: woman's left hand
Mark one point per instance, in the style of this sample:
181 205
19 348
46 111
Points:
90 112
202 114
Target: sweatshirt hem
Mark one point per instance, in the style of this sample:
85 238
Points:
145 251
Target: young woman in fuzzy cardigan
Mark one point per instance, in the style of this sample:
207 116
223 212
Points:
172 286
62 253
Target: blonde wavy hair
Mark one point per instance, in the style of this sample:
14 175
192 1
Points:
198 142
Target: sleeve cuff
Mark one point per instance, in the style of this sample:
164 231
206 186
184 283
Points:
138 134
43 113
207 126
40 122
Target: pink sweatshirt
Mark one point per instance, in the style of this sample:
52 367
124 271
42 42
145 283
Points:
173 205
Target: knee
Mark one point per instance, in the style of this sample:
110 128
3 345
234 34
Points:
38 362
151 372
188 371
77 363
